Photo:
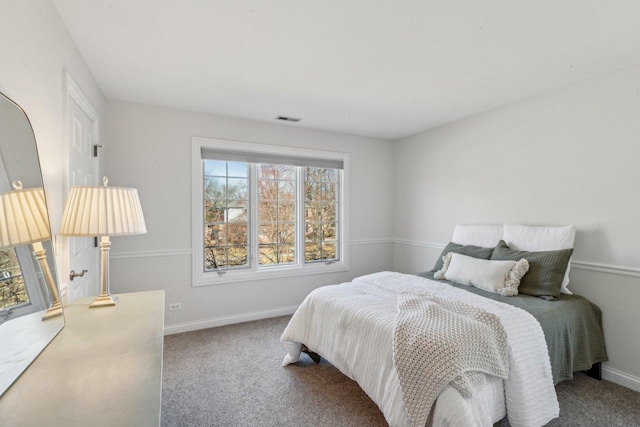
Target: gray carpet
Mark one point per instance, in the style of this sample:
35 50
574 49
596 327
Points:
231 376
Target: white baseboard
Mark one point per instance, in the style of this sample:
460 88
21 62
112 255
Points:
621 378
228 320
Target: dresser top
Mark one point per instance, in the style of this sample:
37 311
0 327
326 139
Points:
103 369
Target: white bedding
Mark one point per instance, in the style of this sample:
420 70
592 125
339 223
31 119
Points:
351 325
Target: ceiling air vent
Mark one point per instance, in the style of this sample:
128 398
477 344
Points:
288 119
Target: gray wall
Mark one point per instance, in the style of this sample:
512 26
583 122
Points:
149 148
568 157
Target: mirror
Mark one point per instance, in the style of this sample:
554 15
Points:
28 285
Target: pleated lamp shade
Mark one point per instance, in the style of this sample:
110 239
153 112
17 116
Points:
23 217
102 211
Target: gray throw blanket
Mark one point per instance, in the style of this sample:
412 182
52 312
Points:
438 341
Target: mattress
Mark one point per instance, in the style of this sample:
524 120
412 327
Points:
352 325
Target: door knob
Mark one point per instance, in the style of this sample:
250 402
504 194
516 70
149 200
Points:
74 274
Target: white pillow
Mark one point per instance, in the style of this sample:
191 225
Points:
485 236
501 277
533 239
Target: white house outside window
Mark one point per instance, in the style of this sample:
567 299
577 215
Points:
267 211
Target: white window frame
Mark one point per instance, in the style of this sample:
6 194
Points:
200 277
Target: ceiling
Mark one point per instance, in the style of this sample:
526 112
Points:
384 69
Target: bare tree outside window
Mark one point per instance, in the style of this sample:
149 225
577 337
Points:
13 291
226 202
276 214
321 220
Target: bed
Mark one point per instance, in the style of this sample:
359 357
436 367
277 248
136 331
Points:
355 325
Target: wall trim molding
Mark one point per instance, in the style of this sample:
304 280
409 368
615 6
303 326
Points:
362 242
621 378
577 264
228 320
150 254
419 244
606 268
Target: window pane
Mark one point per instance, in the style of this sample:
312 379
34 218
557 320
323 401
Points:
329 191
329 251
268 190
286 211
311 191
226 238
266 171
238 234
321 214
313 232
267 211
214 211
268 254
13 291
237 189
312 252
276 213
267 233
215 167
287 233
215 188
286 190
214 257
238 256
287 172
237 212
238 169
273 254
329 231
287 253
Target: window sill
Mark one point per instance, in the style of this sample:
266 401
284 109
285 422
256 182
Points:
230 276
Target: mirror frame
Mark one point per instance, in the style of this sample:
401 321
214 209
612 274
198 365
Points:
25 332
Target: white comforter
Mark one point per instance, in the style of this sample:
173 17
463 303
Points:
351 325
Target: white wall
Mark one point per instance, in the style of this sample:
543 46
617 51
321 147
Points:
568 157
150 148
35 52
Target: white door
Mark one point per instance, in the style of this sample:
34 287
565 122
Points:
82 252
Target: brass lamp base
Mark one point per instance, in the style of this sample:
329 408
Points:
53 311
104 300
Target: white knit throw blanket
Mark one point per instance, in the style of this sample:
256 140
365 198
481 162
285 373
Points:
438 341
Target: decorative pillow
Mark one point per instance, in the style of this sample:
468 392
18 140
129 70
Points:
485 236
528 238
501 277
470 250
546 269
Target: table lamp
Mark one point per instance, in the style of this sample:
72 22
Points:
24 220
103 211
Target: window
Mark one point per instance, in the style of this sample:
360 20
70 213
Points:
13 292
268 211
22 288
226 208
277 202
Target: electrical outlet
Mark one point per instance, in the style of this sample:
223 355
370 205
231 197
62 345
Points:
175 306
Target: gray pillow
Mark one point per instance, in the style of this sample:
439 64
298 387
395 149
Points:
469 250
546 269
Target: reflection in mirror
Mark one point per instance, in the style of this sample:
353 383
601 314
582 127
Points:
30 312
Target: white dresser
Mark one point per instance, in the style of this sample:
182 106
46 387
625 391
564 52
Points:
103 369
